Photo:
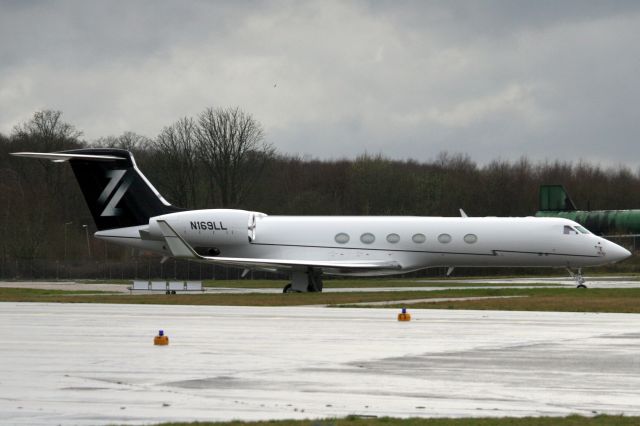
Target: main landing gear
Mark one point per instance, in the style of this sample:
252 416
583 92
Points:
304 281
577 277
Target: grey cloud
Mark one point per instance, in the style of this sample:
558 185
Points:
406 79
496 18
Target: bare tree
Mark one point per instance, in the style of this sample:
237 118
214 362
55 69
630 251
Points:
176 154
231 145
130 141
48 130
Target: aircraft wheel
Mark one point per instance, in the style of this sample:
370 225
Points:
173 292
287 289
167 292
581 286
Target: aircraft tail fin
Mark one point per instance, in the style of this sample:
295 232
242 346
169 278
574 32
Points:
555 198
117 193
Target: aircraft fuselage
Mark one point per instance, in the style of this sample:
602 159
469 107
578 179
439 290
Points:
413 242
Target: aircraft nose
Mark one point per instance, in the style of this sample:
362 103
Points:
617 253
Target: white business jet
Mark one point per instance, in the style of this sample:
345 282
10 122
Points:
129 211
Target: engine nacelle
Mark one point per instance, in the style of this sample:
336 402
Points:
210 232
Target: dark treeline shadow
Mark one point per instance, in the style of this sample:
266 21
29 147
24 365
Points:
43 215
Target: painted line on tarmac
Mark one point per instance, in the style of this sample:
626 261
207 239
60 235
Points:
430 300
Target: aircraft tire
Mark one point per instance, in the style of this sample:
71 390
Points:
581 286
287 289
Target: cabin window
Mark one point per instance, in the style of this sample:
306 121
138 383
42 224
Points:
470 238
444 238
342 238
569 230
367 238
393 238
418 238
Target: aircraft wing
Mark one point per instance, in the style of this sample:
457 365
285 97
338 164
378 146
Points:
181 249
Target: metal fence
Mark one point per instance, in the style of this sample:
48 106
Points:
147 268
144 268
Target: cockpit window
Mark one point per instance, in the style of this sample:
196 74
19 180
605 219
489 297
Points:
575 230
583 230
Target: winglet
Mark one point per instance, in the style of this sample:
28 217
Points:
176 244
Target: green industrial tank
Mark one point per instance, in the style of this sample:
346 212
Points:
555 202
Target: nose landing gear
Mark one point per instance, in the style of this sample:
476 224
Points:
577 277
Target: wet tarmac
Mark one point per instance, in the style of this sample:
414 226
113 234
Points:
93 364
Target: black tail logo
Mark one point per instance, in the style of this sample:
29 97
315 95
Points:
117 193
116 188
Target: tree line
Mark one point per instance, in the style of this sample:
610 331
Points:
220 158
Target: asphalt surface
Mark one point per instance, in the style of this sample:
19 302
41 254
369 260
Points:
94 364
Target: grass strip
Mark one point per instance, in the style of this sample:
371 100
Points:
113 281
626 300
17 294
574 420
251 299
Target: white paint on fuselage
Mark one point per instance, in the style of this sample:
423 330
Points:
500 241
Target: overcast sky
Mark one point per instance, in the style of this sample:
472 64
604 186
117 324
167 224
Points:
494 79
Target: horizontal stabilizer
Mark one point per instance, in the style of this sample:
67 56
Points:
180 248
62 157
